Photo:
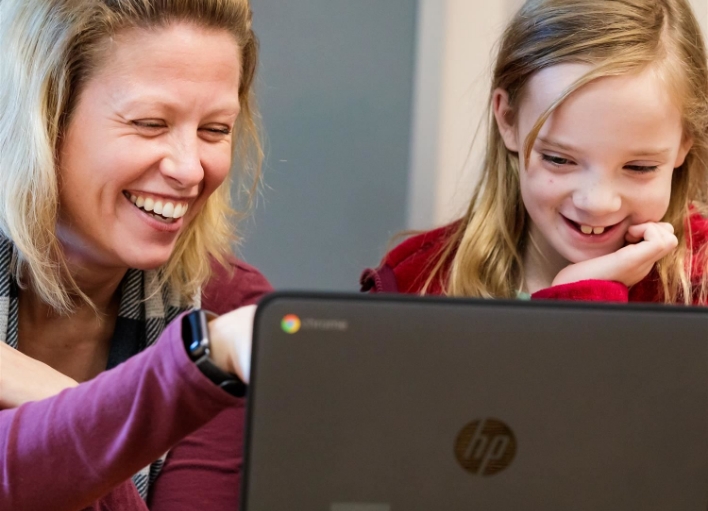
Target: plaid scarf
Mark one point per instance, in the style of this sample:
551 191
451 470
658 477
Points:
140 322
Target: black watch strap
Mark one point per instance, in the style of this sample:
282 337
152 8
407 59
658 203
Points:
195 335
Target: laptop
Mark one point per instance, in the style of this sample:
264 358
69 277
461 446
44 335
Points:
399 403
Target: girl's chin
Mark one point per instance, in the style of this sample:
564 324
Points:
580 256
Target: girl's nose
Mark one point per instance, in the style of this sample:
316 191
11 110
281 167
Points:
597 196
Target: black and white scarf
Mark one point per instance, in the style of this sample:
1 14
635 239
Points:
140 322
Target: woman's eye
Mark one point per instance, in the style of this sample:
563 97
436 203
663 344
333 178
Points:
219 131
641 168
149 124
555 160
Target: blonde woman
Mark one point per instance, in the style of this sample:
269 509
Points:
119 120
595 178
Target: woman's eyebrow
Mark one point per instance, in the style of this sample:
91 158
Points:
227 107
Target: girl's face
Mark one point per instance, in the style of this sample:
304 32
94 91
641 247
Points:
149 141
602 162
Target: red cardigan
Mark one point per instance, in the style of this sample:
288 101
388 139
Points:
406 268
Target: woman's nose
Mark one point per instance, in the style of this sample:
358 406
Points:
183 166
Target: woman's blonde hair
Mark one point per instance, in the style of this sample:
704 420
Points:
483 257
50 48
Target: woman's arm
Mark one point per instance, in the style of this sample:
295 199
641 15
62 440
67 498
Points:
24 379
204 469
65 452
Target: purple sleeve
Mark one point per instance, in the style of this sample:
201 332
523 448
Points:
65 452
204 469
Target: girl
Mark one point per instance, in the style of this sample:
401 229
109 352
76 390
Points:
595 178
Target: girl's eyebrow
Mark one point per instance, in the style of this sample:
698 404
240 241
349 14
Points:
635 153
554 143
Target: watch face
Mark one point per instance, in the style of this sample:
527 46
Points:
200 348
195 334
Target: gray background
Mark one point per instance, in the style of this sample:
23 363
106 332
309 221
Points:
335 92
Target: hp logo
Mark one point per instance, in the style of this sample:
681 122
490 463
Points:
485 447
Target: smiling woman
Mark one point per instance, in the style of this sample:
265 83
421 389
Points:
119 123
154 122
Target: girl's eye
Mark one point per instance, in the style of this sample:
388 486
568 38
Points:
641 168
555 160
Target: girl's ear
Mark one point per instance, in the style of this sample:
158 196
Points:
505 119
686 146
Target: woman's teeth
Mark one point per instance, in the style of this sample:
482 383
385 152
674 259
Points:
168 210
586 229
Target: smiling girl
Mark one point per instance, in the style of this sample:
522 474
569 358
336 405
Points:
595 179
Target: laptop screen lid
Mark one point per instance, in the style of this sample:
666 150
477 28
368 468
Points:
388 403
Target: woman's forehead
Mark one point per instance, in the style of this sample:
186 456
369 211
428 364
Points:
171 64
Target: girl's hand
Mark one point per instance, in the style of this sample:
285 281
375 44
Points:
649 242
24 379
230 336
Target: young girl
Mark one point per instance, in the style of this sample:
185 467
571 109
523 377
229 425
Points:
595 178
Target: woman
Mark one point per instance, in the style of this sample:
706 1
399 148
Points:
119 120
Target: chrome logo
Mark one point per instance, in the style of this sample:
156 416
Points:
290 324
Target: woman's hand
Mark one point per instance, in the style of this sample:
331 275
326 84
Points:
230 336
24 379
648 243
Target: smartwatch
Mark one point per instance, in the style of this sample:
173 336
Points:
195 335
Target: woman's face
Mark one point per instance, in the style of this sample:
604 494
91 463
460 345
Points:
149 140
602 162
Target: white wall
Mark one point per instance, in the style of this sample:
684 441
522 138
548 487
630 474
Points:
454 55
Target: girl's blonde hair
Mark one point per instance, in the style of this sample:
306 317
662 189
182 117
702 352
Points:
50 49
483 257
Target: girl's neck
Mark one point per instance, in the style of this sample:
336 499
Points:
541 262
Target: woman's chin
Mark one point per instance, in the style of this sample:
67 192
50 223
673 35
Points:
148 260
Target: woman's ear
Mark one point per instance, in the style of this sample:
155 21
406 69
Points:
505 119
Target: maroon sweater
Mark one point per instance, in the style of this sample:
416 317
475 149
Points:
64 452
406 268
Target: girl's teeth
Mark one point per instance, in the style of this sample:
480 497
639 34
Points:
178 211
587 229
149 204
140 202
157 209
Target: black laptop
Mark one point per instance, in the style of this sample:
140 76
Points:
394 403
